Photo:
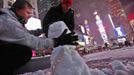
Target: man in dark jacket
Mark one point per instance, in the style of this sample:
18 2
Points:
62 12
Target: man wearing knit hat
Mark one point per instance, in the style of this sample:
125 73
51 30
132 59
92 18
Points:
62 12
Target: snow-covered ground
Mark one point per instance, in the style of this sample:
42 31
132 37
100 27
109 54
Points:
39 72
117 68
111 54
114 62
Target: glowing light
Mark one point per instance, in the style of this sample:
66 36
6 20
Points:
82 29
85 22
95 13
121 40
111 20
120 33
101 28
131 16
98 22
86 39
33 24
78 15
97 17
33 53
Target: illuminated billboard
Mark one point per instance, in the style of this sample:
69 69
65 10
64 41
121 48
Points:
119 32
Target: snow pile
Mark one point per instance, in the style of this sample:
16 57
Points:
117 68
39 72
65 60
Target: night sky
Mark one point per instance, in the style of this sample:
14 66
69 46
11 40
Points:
126 2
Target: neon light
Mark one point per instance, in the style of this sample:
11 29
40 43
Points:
82 29
86 39
119 31
101 28
111 20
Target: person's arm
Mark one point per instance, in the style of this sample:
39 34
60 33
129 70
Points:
12 31
72 23
37 32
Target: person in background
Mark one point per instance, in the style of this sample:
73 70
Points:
62 12
16 43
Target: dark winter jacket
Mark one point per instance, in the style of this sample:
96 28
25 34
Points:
56 14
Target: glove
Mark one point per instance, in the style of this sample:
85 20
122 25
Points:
66 39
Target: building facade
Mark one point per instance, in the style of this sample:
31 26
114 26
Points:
44 5
119 17
128 6
100 27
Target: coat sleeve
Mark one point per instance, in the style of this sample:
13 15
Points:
12 31
36 32
72 23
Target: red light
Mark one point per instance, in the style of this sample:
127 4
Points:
131 16
33 53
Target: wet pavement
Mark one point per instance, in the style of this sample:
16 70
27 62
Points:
102 59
